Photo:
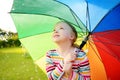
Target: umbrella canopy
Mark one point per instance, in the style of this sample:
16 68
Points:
96 19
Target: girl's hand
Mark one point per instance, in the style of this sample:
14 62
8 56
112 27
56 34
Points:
68 60
70 57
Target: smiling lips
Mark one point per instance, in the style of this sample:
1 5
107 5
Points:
56 35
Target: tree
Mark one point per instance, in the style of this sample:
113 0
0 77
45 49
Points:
8 39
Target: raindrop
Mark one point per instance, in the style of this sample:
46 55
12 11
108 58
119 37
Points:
31 78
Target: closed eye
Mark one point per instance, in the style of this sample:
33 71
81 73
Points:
53 30
61 28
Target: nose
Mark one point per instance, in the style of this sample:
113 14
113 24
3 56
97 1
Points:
56 31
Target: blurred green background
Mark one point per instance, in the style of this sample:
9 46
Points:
15 61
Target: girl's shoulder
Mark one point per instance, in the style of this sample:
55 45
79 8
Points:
80 53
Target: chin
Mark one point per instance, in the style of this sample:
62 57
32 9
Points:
56 40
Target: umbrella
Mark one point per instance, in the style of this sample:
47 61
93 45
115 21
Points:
98 20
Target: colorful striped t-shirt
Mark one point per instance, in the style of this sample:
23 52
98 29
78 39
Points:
54 66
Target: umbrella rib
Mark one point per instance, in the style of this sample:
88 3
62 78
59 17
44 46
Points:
41 14
87 25
111 42
52 16
107 43
106 32
88 18
87 37
110 52
74 15
75 19
90 43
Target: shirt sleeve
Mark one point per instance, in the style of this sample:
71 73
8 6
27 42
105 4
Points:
53 71
83 68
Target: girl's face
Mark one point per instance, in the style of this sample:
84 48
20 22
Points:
62 32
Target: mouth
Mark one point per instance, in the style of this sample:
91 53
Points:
55 36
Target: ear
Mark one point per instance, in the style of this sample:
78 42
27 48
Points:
72 37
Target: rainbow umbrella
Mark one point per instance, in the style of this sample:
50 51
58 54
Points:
97 23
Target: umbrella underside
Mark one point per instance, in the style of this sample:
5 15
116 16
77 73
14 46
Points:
34 21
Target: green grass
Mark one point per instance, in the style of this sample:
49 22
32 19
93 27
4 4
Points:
17 65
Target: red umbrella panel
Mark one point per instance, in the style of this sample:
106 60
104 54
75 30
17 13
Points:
108 44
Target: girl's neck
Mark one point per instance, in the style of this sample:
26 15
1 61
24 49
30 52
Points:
65 48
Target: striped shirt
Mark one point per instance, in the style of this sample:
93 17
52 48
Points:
54 66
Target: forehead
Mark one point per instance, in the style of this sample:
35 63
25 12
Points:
62 24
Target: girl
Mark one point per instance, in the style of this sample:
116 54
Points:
67 62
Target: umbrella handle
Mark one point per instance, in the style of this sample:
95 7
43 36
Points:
84 41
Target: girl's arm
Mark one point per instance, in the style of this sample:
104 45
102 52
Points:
53 71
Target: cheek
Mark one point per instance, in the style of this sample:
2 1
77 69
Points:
67 35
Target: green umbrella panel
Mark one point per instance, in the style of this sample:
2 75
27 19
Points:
34 21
